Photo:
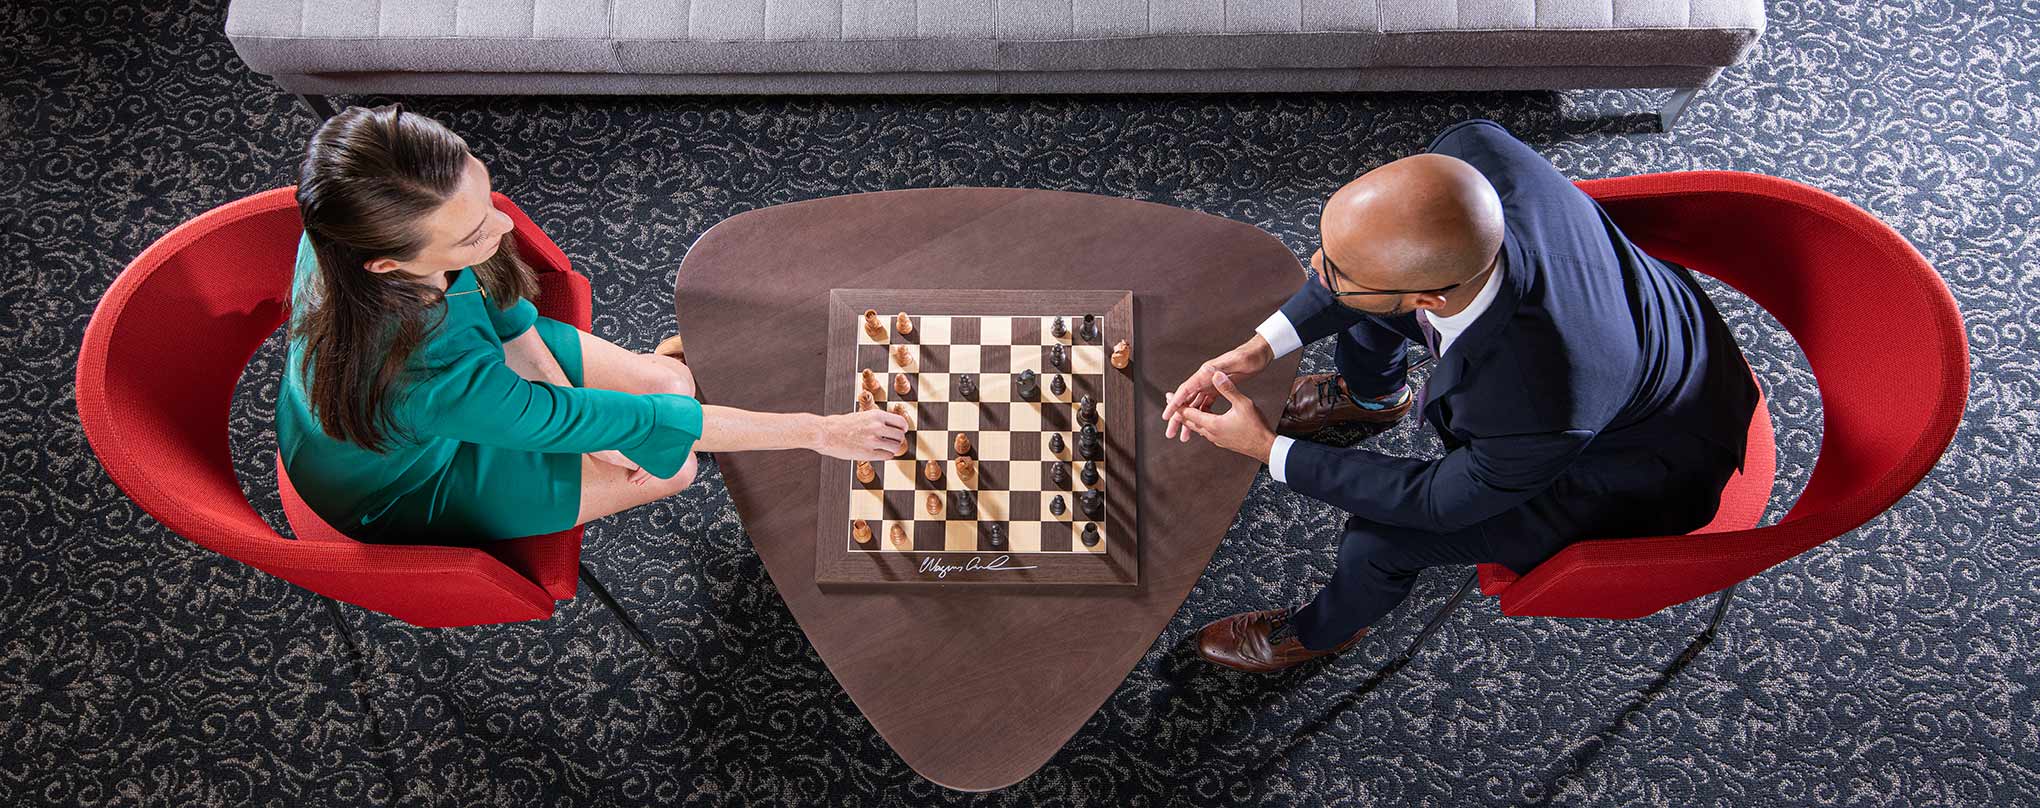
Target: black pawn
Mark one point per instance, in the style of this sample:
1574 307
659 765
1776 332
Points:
966 386
1059 474
1090 474
1056 386
1056 506
962 505
1087 443
1089 330
1057 357
1055 444
1092 503
1059 328
995 535
1029 385
1087 410
1091 535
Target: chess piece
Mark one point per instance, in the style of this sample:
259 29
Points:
865 473
902 384
995 535
1059 474
1057 386
864 401
1089 330
901 411
861 531
903 325
1090 473
873 327
1087 410
1122 354
963 446
903 358
962 505
1028 385
1055 444
1091 535
932 470
1088 446
1092 503
933 504
898 534
1059 329
966 470
1056 506
1058 357
966 386
869 381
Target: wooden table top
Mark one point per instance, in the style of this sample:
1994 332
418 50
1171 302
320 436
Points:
1000 678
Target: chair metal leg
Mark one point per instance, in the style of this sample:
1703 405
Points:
1668 115
1706 635
1430 628
318 104
602 594
347 633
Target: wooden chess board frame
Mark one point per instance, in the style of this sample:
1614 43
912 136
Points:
839 566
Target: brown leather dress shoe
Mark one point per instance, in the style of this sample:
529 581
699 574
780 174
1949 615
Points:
1319 400
1249 641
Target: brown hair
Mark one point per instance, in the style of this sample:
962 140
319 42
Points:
369 178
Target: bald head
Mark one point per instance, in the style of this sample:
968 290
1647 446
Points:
1421 222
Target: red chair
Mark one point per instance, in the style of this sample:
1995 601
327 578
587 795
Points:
156 376
1886 346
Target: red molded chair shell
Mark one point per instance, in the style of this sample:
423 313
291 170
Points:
156 378
1887 349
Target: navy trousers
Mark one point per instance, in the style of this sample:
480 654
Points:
1615 493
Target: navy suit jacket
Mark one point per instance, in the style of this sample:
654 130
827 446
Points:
1594 362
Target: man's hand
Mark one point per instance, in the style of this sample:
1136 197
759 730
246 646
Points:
872 435
1238 428
1198 392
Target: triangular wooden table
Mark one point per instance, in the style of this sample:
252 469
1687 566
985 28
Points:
976 689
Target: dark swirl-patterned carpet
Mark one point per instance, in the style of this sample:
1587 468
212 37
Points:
1893 666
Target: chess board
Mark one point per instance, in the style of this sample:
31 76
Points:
1000 525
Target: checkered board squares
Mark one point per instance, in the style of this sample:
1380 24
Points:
1011 437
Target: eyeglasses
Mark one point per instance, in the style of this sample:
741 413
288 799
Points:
1331 271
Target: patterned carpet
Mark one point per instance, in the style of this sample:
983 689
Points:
1894 666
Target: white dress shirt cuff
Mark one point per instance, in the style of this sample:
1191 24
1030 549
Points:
1280 334
1278 458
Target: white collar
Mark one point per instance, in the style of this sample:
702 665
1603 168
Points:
1449 328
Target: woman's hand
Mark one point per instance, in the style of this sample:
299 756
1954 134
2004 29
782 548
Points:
638 476
869 435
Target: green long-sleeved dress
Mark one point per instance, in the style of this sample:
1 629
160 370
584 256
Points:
478 452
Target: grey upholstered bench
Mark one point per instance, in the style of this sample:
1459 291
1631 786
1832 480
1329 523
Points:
316 47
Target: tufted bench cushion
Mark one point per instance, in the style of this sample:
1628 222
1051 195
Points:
539 46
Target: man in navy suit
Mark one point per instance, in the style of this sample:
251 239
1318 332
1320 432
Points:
1582 390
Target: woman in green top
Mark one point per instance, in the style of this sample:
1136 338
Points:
424 399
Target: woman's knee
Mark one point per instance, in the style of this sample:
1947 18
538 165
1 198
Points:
664 374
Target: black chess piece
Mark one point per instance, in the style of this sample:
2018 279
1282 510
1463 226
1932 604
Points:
1089 330
1087 443
1090 473
1059 474
966 386
1056 506
962 505
1059 328
1055 444
1092 503
1087 410
1056 385
1028 385
1058 357
995 535
1091 535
